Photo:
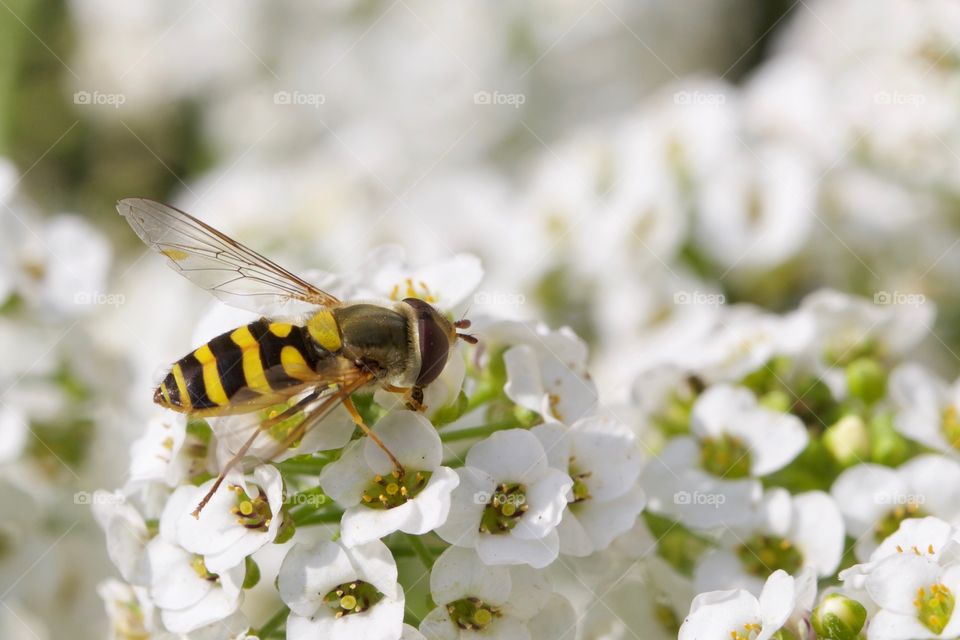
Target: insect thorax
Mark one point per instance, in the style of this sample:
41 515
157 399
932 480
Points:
372 334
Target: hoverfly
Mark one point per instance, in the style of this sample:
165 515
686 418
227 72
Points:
316 361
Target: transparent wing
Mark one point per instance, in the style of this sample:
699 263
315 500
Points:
230 271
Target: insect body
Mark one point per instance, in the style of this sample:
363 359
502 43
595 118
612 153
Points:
331 351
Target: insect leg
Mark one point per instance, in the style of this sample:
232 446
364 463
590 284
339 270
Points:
358 420
413 396
238 456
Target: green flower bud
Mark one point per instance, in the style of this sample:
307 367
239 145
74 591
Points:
838 618
887 447
287 528
776 400
252 577
848 441
866 380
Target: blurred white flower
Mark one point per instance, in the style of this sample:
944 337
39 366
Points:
509 501
756 211
126 533
16 431
782 604
377 501
789 532
875 499
602 458
340 592
847 328
58 265
706 479
928 408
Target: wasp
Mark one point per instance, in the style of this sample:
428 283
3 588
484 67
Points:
311 363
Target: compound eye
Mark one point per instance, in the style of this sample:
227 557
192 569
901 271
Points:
434 349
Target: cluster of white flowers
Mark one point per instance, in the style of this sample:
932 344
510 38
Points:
736 449
513 466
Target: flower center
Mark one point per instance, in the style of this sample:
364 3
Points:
352 597
934 607
750 631
201 569
409 289
891 522
252 513
505 508
472 613
387 492
581 491
950 426
762 555
726 456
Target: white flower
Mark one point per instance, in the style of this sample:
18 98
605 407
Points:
131 615
706 479
492 601
58 264
445 283
875 499
378 502
930 537
755 210
768 439
128 610
240 518
742 340
601 456
340 592
847 328
546 370
168 453
188 595
509 501
928 409
788 532
721 615
916 596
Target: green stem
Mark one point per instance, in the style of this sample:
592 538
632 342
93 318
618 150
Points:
319 517
476 432
273 624
422 551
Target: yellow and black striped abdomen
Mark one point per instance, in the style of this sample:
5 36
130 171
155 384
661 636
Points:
260 360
